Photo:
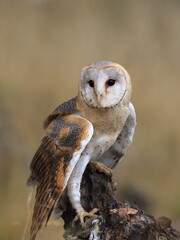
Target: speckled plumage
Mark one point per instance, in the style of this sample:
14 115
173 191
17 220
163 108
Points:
95 126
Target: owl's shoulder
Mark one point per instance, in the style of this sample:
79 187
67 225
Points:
63 109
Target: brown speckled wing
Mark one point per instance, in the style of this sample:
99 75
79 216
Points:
54 162
63 109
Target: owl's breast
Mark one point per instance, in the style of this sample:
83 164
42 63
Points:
109 122
107 125
99 144
106 131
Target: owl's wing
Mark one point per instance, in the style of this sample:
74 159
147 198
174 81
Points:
65 108
111 157
65 139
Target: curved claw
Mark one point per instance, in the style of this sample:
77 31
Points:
98 166
81 216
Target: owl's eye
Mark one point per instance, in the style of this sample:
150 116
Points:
110 82
91 83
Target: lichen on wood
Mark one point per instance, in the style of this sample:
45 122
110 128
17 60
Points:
114 220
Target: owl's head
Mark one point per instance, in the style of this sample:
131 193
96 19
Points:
104 84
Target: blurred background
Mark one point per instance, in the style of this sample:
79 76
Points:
43 46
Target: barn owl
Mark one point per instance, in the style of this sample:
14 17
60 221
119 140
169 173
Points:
98 126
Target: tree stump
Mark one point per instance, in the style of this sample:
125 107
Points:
115 220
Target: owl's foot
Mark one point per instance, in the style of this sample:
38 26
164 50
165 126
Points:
81 216
98 166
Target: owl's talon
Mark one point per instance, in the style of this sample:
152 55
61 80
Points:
81 216
98 166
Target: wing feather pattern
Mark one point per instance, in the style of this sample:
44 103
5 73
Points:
65 108
65 139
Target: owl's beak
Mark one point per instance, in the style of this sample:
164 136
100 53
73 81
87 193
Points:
100 96
99 90
100 99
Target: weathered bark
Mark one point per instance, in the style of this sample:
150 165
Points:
115 220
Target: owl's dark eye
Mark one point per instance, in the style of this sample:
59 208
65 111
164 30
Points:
91 83
110 82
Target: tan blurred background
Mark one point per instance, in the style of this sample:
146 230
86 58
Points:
43 46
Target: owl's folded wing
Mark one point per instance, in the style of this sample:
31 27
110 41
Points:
111 157
65 139
65 108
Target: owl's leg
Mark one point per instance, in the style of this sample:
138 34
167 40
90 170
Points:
73 187
98 166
